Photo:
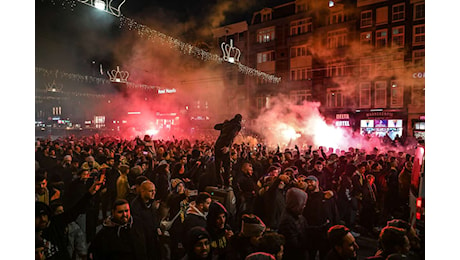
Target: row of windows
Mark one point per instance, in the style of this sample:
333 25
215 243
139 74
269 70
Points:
367 67
378 98
380 94
398 14
397 37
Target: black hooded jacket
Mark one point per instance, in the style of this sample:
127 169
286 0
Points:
228 132
55 235
219 243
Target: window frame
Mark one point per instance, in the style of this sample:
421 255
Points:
335 98
380 86
265 56
414 35
337 38
265 35
399 35
377 38
300 73
301 26
400 94
368 86
399 13
416 59
361 20
415 11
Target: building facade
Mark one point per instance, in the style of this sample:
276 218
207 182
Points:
363 60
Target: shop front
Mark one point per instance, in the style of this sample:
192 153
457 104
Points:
382 122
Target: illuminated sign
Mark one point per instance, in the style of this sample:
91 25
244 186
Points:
342 116
167 91
342 123
134 113
418 75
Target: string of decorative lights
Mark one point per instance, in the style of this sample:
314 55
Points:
88 79
189 49
154 36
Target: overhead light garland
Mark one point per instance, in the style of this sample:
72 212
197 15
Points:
89 79
189 49
154 35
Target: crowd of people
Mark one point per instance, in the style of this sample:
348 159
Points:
102 197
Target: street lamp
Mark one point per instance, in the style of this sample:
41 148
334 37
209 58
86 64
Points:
99 4
109 6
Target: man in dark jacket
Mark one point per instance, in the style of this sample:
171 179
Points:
52 229
146 215
228 131
247 189
321 213
274 201
293 225
120 237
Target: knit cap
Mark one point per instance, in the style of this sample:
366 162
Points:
252 225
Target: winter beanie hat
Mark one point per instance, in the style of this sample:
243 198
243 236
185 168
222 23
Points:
252 226
296 200
194 235
175 182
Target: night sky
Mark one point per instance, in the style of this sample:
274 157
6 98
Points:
70 35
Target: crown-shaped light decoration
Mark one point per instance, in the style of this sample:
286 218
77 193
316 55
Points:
231 54
108 6
118 76
53 87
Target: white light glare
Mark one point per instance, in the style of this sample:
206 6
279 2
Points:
331 3
99 4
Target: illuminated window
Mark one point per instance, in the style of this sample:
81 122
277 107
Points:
299 51
300 73
397 94
365 94
366 38
301 26
418 57
380 94
397 37
336 39
398 12
334 98
419 11
266 35
381 38
366 18
419 35
265 56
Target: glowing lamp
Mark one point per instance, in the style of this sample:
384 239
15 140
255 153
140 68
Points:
99 4
331 3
